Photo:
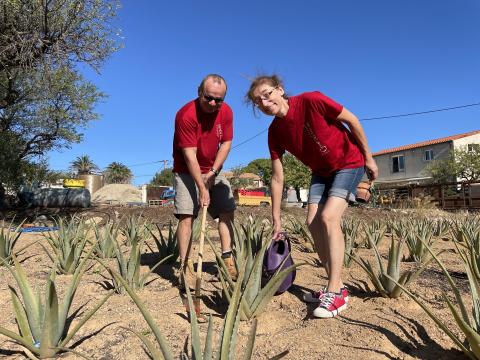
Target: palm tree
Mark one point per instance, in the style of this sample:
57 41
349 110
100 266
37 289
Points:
117 173
83 165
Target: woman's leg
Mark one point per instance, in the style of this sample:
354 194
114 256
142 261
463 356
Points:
318 234
330 218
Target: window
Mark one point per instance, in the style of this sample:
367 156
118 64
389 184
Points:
473 147
398 163
428 155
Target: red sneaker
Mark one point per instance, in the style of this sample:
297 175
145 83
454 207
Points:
331 304
314 297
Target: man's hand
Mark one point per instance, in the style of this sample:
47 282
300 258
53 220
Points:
204 197
209 180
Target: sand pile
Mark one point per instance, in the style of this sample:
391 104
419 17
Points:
119 193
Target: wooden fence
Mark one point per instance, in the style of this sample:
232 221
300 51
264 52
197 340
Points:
448 196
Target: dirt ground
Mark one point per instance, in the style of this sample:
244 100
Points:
371 328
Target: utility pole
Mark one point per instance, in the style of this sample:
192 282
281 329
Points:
164 164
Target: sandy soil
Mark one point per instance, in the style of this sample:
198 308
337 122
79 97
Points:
371 328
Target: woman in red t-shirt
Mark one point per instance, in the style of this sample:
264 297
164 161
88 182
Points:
311 127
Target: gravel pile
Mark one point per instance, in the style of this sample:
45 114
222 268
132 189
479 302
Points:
118 193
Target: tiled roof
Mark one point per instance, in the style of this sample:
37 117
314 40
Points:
426 143
249 176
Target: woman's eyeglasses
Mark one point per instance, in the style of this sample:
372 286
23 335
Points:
265 96
210 98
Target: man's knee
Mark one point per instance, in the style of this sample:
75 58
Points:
185 220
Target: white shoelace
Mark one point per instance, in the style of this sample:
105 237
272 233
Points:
327 300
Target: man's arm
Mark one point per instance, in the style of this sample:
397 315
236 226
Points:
190 155
357 131
222 154
277 193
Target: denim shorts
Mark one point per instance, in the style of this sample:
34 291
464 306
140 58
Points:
342 184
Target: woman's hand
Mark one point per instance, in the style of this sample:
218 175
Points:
371 168
277 230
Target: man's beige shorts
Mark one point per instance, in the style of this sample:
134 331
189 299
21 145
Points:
186 198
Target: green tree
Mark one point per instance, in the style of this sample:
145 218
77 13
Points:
163 178
295 173
44 101
260 167
463 163
118 173
236 181
83 165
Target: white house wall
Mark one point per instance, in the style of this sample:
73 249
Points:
472 139
463 142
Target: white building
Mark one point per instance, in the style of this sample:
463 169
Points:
406 164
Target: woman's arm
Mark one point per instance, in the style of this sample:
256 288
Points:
277 192
357 131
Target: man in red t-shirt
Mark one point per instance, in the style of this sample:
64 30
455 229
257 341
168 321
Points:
201 143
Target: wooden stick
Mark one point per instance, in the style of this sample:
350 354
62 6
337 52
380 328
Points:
198 282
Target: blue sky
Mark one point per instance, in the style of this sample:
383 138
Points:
377 58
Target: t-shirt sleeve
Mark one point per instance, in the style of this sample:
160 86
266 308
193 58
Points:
228 125
276 150
186 131
329 108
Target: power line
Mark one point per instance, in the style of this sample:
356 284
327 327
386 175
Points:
421 112
247 140
149 163
379 118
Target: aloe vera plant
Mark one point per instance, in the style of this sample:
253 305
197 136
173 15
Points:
135 228
467 235
420 234
106 238
441 228
300 230
249 251
129 265
166 246
469 324
68 244
350 233
466 226
43 327
8 240
226 348
374 232
399 227
382 277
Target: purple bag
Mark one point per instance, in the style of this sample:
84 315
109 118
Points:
274 256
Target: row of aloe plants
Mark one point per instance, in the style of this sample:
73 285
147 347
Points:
419 235
468 322
390 281
43 329
359 233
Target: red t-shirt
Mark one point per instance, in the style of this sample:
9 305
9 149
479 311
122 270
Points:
194 128
310 132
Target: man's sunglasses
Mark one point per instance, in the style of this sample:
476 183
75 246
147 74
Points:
210 98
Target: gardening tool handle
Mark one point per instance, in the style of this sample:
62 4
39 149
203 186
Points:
198 283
